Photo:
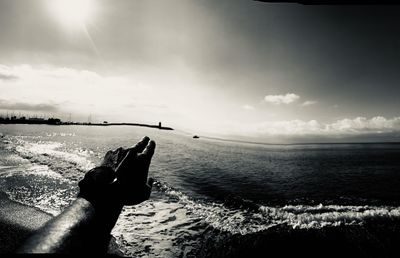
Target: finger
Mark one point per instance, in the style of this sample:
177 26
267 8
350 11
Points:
146 158
132 153
107 160
149 150
130 156
150 182
139 147
121 153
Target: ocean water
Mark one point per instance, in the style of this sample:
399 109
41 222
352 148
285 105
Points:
208 192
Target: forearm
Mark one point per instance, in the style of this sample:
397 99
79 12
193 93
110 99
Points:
79 228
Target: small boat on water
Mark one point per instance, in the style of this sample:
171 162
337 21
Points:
196 137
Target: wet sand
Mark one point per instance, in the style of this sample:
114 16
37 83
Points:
19 221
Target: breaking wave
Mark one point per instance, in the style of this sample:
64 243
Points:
257 218
63 160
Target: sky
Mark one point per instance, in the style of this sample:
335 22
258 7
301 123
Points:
236 69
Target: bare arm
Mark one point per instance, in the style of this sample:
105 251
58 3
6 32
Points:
85 226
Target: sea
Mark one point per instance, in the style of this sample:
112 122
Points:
215 198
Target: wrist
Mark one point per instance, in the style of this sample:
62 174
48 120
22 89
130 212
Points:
104 216
97 187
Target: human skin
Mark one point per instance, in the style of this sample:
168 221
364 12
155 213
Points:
85 226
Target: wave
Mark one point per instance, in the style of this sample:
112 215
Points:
77 157
37 185
63 160
54 134
319 216
252 218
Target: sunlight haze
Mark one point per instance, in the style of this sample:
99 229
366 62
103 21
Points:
238 69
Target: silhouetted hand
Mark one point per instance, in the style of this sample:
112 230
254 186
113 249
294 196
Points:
85 226
121 179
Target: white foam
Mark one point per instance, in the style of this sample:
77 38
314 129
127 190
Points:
79 157
54 134
52 202
38 186
296 216
302 216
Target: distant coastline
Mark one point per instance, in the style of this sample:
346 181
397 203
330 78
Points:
116 124
57 121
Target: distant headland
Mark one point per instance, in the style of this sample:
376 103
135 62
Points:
57 121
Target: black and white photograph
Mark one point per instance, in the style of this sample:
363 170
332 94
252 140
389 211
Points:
199 128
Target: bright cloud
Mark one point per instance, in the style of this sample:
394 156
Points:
20 106
248 107
376 124
60 91
281 99
356 126
309 103
6 74
145 94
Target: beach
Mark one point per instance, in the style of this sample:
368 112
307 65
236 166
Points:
17 223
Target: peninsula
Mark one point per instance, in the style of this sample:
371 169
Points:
57 121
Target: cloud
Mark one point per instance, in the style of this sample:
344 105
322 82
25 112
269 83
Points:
7 77
342 127
21 106
281 99
6 74
66 90
309 103
376 124
45 84
138 96
248 107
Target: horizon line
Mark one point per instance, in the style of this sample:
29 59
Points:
298 143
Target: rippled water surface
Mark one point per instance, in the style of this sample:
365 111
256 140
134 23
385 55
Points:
201 184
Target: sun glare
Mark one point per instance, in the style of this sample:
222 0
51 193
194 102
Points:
72 13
